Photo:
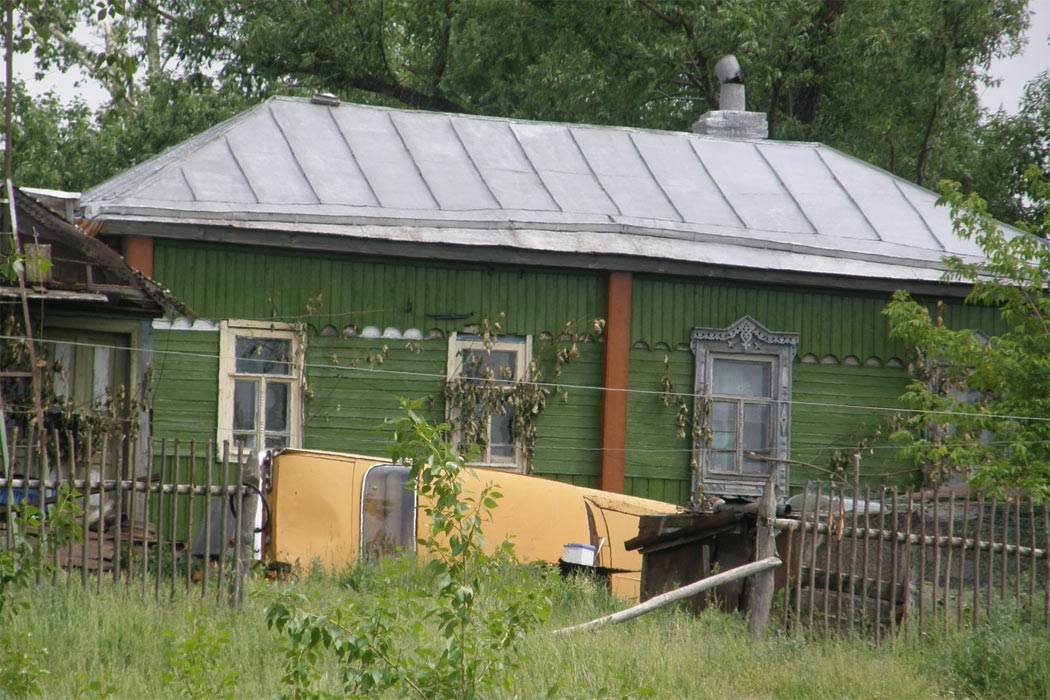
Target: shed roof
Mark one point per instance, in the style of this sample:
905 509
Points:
84 269
291 166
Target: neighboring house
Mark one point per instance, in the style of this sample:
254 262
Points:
92 316
340 256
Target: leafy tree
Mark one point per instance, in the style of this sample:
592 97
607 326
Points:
1005 147
984 403
891 81
66 146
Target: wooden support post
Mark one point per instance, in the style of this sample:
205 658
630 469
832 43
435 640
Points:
614 379
761 598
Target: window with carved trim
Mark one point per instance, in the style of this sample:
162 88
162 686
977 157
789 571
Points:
743 399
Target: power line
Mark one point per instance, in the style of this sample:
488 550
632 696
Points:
553 385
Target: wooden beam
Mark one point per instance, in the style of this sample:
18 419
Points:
614 377
138 251
656 602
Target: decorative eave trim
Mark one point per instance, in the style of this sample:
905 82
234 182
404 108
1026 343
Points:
742 335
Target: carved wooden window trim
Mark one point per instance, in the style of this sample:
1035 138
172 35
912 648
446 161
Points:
746 339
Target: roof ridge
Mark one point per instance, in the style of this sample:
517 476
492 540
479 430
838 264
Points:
541 122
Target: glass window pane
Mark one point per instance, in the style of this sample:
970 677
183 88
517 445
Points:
498 364
274 442
245 439
723 436
264 356
244 404
742 378
277 406
501 437
756 436
388 512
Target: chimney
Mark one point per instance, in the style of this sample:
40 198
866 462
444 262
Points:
731 119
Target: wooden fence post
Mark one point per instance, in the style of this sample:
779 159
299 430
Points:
761 598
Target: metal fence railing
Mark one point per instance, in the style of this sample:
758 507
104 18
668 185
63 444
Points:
885 561
176 515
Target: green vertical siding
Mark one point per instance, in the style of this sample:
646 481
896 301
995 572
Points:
665 310
266 283
186 385
346 404
658 462
818 431
348 398
568 432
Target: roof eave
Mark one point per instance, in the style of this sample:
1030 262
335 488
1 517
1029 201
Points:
437 243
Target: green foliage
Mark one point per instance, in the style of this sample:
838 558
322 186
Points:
12 265
891 81
23 665
985 401
66 146
22 658
195 668
1003 657
119 640
388 645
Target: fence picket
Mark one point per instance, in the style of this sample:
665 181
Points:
1031 561
990 597
72 452
962 563
1005 561
206 559
906 584
173 513
813 556
946 597
146 498
188 542
160 517
878 566
1017 551
225 522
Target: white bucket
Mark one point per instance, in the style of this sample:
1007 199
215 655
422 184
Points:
575 553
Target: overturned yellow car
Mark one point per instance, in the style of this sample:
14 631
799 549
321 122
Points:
331 510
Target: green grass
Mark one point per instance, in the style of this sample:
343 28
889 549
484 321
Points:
133 647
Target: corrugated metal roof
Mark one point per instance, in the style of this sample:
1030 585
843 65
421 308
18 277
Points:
421 177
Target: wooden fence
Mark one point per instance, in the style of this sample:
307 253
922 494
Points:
172 517
882 561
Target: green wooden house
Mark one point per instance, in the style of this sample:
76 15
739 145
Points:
337 257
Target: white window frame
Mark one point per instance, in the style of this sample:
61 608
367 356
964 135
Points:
229 331
457 343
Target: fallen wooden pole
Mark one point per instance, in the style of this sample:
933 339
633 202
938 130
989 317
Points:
664 599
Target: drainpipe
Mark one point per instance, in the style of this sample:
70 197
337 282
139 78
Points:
614 377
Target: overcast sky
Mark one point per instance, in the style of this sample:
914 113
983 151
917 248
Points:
1014 72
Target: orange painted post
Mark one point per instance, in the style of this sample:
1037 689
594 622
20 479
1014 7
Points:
138 251
614 378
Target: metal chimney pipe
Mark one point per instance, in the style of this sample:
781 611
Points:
731 119
731 95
